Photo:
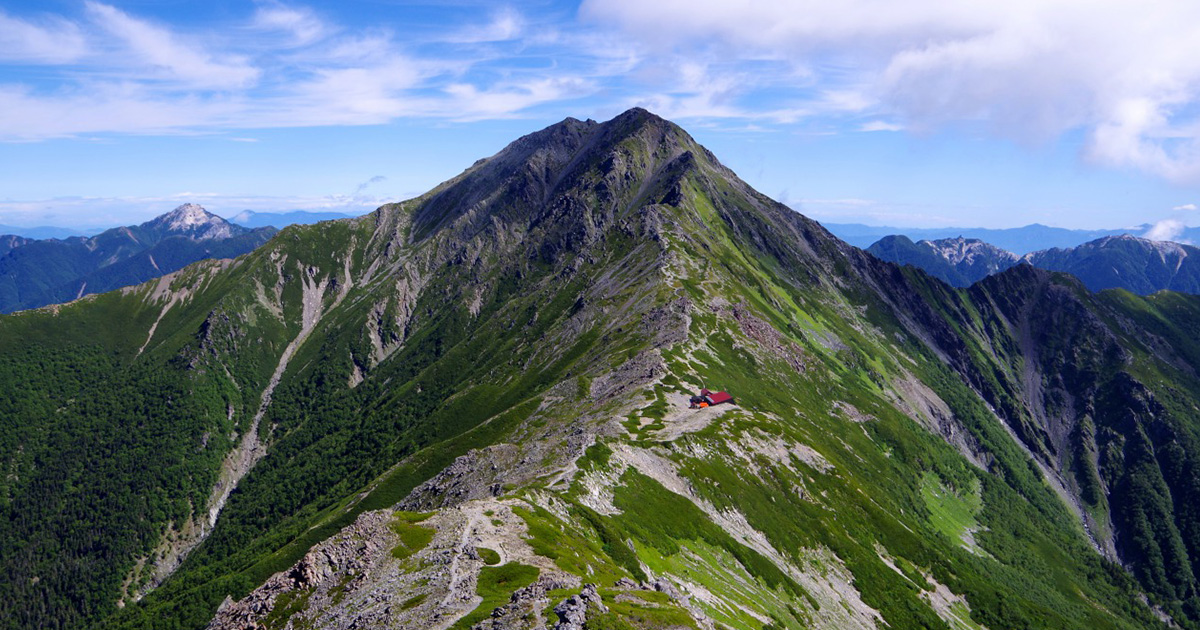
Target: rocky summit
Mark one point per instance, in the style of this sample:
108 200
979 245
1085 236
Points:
486 408
959 261
193 221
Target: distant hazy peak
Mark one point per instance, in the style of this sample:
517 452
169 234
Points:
242 217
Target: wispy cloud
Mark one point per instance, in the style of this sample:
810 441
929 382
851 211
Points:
505 24
50 40
879 125
300 23
879 212
160 52
363 186
502 100
281 66
1124 76
105 107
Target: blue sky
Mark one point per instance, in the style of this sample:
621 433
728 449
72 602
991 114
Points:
917 113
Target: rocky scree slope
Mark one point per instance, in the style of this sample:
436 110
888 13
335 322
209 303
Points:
469 411
35 273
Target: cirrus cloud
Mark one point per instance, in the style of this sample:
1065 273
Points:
52 40
1123 76
280 66
160 50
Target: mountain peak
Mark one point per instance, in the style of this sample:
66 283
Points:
188 215
959 261
532 173
194 222
500 371
1141 242
960 250
640 116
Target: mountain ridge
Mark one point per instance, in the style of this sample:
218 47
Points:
1019 240
512 354
1118 261
1132 263
35 273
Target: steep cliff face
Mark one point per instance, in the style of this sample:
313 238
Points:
471 410
1086 390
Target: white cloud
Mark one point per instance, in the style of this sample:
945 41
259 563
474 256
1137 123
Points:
469 102
1187 207
279 66
301 23
356 95
52 42
880 125
1125 74
358 49
1165 230
506 24
161 51
103 107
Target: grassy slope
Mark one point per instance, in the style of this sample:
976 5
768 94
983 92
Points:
468 379
876 496
1032 565
460 381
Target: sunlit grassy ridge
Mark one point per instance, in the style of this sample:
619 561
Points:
551 309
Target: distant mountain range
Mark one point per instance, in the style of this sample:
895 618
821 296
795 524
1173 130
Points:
1127 262
45 231
245 218
1020 240
252 219
37 272
1137 264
